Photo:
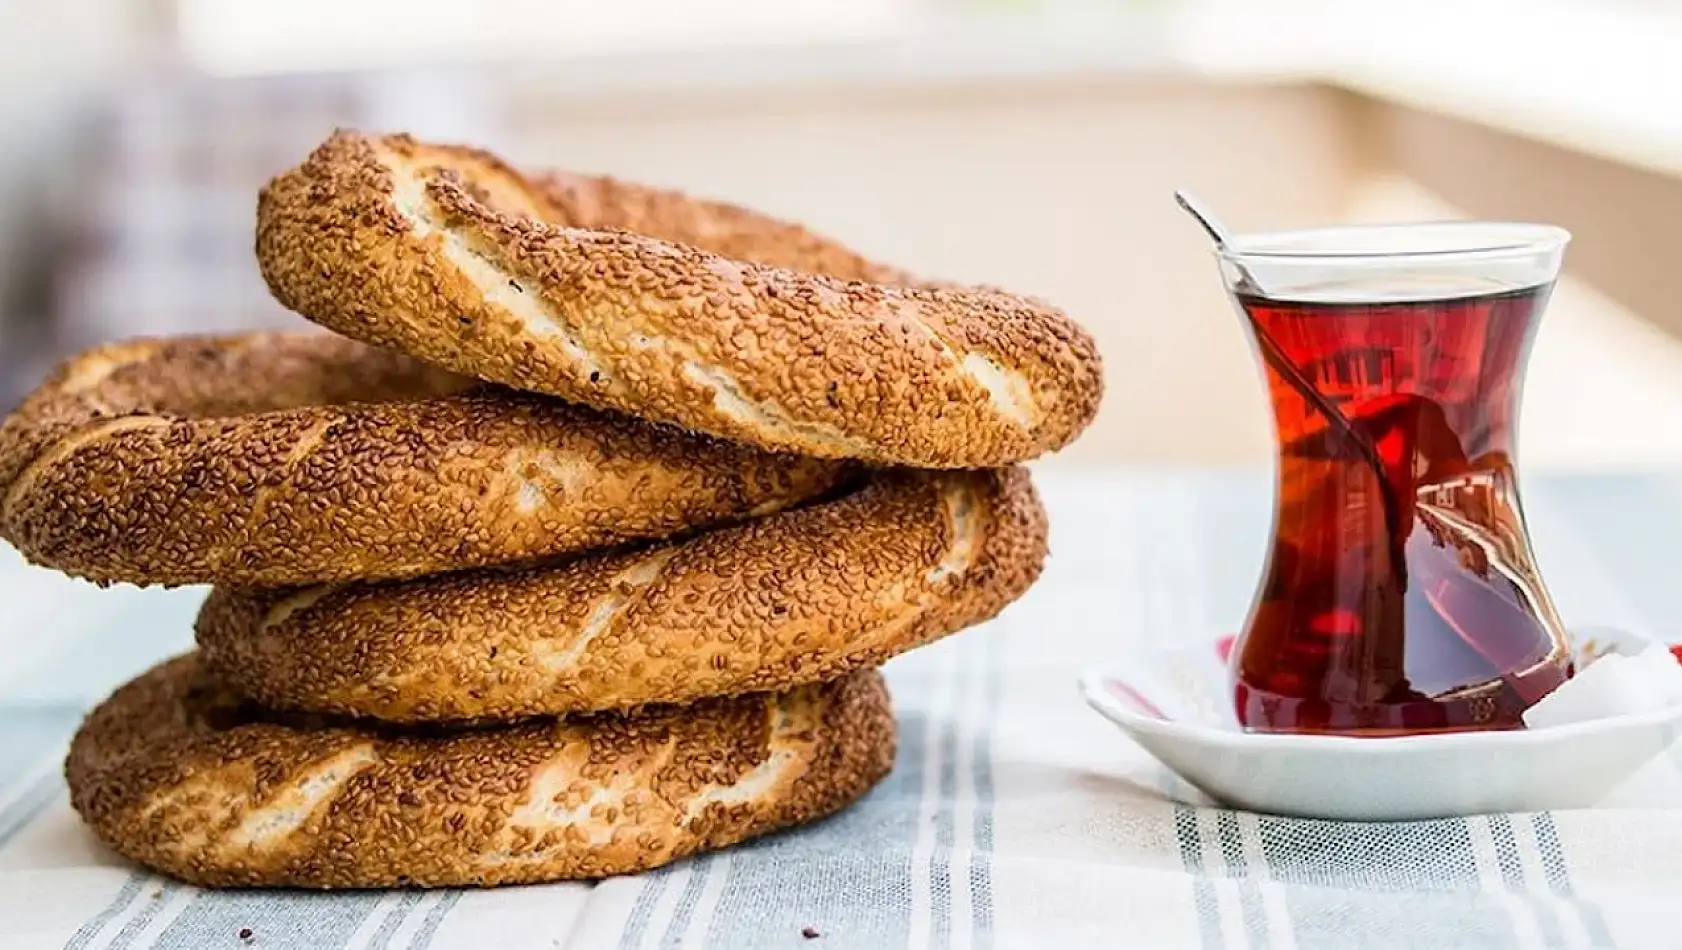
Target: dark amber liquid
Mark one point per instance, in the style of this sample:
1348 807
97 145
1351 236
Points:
1401 593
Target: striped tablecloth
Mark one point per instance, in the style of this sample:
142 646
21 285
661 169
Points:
1013 818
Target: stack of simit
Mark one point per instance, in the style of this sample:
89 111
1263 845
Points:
574 553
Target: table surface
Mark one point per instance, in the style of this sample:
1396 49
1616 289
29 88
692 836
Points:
1013 817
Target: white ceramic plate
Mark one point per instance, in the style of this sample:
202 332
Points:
1177 705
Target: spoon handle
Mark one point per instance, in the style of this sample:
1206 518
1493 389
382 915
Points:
1275 355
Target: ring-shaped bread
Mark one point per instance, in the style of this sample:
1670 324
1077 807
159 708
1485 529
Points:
454 257
803 595
177 773
271 458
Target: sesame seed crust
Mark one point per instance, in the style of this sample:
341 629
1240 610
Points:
179 774
705 316
278 458
600 203
801 596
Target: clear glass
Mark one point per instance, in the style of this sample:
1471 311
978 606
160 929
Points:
1401 593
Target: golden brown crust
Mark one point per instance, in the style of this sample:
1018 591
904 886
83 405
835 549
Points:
272 458
800 596
601 203
178 774
448 254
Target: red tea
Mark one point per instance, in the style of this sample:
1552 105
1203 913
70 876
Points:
1401 593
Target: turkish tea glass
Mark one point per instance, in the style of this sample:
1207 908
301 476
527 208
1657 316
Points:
1400 593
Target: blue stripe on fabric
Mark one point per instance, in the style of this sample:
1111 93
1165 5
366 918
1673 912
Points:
981 866
139 922
1506 853
275 918
394 920
1558 874
125 896
700 870
434 918
1351 884
1202 889
940 865
847 877
654 884
1249 893
1512 874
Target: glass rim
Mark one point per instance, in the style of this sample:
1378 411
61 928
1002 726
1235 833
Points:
1453 239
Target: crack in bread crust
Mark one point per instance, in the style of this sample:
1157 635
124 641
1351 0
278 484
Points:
308 442
476 263
622 591
669 308
179 774
267 827
270 459
63 450
729 399
772 603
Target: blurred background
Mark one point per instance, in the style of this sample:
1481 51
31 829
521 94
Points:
1030 144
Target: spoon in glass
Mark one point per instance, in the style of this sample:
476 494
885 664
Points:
1276 356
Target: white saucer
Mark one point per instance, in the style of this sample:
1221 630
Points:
1177 705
